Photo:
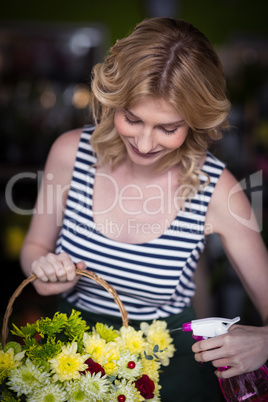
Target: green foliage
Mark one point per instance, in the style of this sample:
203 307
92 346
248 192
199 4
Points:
9 396
40 353
155 355
148 357
105 332
28 331
53 333
75 327
14 345
47 327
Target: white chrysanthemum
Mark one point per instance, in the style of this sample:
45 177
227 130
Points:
124 371
127 389
75 393
26 378
93 386
48 393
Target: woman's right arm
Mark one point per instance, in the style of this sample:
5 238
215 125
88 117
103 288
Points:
56 273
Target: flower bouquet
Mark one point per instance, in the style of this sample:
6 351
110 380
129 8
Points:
62 359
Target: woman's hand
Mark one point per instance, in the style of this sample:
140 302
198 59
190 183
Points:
55 273
243 349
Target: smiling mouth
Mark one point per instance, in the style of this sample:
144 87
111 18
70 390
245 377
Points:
148 155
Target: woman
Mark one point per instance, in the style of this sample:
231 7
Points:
136 196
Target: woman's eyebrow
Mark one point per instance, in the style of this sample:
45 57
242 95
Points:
173 123
132 114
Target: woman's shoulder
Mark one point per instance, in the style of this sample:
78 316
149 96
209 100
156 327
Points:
66 145
228 200
67 141
70 140
63 152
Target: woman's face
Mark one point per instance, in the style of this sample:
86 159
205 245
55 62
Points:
150 129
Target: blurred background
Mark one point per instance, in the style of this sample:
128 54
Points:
47 50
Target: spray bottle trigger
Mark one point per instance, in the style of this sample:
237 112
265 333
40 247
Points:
229 323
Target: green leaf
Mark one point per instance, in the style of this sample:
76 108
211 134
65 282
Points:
115 387
148 357
156 349
28 330
112 378
161 351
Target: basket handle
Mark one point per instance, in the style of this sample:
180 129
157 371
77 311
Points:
88 274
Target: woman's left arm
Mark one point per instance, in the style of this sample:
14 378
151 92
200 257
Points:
230 215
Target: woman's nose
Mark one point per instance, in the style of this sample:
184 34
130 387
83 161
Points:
145 141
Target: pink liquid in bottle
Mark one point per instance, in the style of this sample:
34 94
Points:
251 386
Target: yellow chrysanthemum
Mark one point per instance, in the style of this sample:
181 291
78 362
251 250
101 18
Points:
94 345
156 392
9 360
131 339
151 368
111 353
67 364
157 334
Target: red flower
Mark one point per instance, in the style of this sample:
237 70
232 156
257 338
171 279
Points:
93 367
146 386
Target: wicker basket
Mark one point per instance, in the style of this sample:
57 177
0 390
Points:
88 274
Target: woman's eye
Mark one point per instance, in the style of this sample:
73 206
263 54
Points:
168 132
131 121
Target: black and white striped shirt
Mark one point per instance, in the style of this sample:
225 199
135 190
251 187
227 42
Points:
154 279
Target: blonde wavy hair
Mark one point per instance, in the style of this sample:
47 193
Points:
169 59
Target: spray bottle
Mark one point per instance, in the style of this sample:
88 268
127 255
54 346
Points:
251 386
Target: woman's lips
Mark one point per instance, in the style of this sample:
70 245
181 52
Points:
148 155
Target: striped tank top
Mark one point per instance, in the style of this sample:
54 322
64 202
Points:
154 279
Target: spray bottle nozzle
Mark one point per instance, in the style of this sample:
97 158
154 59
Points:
209 327
187 327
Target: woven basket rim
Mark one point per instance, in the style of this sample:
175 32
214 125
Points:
88 274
